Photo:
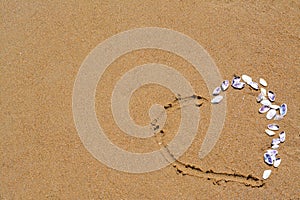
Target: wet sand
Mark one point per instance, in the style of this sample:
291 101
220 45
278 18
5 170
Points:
43 46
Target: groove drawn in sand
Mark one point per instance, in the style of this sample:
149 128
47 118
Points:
93 67
193 170
178 103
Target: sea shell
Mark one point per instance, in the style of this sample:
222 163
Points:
260 97
266 102
268 159
271 96
277 162
254 85
271 113
225 85
238 85
269 132
266 174
272 152
275 146
236 79
278 117
216 99
275 141
276 107
247 78
217 91
264 109
273 127
283 109
263 82
282 136
263 91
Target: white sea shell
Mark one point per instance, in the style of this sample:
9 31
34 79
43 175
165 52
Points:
273 127
216 99
254 85
283 109
278 117
273 153
236 79
276 107
282 136
247 78
275 146
264 109
274 156
271 96
225 85
266 102
263 91
269 132
263 82
277 162
238 85
217 91
267 174
260 97
270 114
269 159
275 141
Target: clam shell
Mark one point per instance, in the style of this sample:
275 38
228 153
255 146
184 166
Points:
254 85
269 132
263 82
275 141
264 109
272 152
282 136
283 109
216 99
275 146
266 102
270 114
273 127
274 156
225 85
263 91
276 107
271 96
277 162
260 97
278 117
268 159
266 174
217 91
236 79
246 78
238 85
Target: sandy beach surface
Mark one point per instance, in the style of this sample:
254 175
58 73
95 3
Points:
43 45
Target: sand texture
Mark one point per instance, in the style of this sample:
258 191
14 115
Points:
43 45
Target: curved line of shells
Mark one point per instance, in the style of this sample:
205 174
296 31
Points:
268 106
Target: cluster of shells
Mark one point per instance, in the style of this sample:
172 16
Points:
268 107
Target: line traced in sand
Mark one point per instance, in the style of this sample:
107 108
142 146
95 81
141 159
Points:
193 170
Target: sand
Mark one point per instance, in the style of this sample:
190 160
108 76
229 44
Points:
42 48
